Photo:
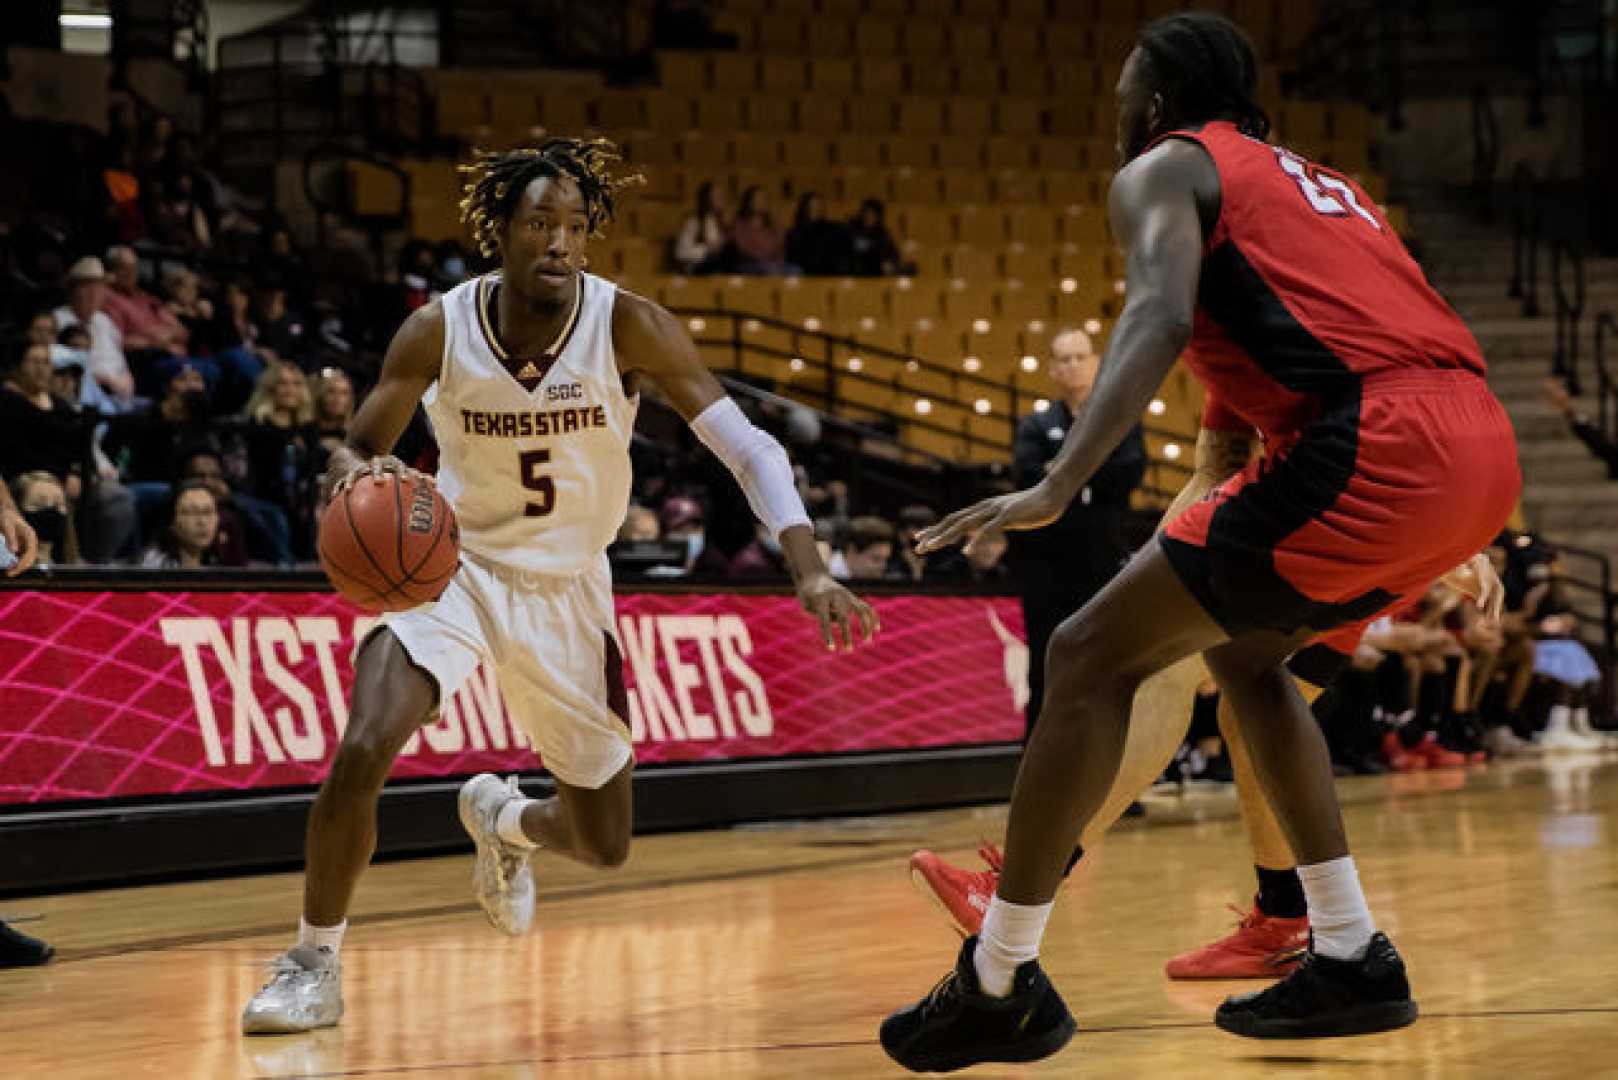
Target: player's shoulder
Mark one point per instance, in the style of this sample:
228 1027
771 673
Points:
1174 162
634 317
419 341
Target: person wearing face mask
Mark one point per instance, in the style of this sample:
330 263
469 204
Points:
683 520
1061 566
190 532
43 505
42 431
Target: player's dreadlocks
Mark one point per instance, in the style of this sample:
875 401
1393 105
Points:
1205 64
495 181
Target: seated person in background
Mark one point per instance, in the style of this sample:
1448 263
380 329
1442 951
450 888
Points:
279 329
234 326
86 288
249 529
699 247
982 566
190 529
1432 660
1561 658
333 392
1501 706
683 519
906 565
874 252
281 449
40 431
640 526
42 328
239 366
756 243
43 504
760 558
147 444
867 547
70 359
154 340
815 243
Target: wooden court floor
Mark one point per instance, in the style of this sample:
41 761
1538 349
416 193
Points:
774 952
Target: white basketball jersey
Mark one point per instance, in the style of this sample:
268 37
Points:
533 453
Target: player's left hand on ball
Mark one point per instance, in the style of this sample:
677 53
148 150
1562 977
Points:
845 619
1476 578
1029 509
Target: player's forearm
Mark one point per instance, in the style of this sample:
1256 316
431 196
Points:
1144 347
801 553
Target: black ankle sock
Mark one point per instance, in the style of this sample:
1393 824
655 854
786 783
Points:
1280 894
1073 860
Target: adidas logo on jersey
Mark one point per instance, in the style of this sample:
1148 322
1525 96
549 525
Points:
529 371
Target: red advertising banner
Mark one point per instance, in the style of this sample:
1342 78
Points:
113 694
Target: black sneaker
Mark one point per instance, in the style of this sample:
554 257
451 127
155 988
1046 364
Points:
20 950
1326 997
957 1024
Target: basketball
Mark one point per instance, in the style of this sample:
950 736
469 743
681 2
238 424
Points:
389 544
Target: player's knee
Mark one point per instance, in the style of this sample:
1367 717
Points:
608 852
364 757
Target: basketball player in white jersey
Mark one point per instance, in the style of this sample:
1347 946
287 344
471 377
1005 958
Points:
530 377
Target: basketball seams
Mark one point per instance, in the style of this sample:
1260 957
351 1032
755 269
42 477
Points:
348 512
395 587
432 546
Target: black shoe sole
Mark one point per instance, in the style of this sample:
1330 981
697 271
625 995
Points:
1364 1020
1028 1050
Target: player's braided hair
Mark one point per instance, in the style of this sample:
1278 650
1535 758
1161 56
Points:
1206 65
495 181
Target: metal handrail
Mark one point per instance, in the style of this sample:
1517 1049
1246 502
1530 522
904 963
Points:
1569 311
1525 226
1485 150
1606 387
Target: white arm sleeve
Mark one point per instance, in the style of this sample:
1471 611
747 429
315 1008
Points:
757 461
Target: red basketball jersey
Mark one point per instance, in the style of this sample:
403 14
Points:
1306 292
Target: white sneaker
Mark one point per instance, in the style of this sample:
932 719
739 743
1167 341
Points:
1565 739
501 878
304 993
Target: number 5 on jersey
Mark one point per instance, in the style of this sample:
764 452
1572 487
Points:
543 487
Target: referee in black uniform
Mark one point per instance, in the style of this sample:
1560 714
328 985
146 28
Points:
1060 567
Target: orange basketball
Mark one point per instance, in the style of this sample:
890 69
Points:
389 544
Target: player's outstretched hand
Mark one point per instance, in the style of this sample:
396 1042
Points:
1027 509
1476 578
845 619
20 540
376 468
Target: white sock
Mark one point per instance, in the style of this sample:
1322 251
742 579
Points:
509 823
1559 719
1010 936
329 938
1338 916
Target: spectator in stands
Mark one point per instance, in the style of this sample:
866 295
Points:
418 274
147 444
175 212
983 565
451 269
815 243
333 392
1501 707
760 558
70 359
280 448
249 529
756 243
867 547
238 365
40 431
42 328
43 504
279 330
1061 566
86 290
155 340
1587 432
189 532
640 526
234 324
699 247
1561 658
124 211
873 250
682 519
906 565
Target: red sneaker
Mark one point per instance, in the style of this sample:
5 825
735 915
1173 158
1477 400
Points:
1398 757
1437 757
1260 948
962 896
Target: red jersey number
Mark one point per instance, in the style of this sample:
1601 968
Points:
1325 193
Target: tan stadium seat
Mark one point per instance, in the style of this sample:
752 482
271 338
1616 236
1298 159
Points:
1025 10
912 300
1257 17
1034 264
977 79
1350 122
1067 42
769 113
936 10
735 73
1022 117
924 37
918 186
564 111
891 8
825 181
374 190
921 116
871 114
877 37
969 116
1074 77
821 114
880 75
743 24
982 225
856 298
781 75
719 113
751 151
858 151
657 221
669 114
829 37
1025 302
1071 118
681 292
860 182
1100 153
959 154
971 262
806 302
1069 188
931 77
459 109
684 71
808 151
640 258
699 151
620 110
843 10
832 75
870 392
650 148
926 261
1086 225
1110 42
900 150
1070 10
980 9
1028 79
1007 152
1033 224
1304 122
1018 38
1019 185
780 34
928 225
971 40
755 295
962 186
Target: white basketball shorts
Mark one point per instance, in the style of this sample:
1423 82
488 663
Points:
554 650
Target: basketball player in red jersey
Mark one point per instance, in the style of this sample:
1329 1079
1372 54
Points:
1388 462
